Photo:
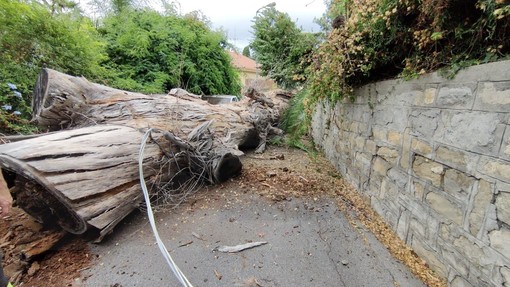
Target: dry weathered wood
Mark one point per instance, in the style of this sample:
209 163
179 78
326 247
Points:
80 177
40 245
62 101
87 177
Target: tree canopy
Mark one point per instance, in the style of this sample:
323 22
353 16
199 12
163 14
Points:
281 48
152 53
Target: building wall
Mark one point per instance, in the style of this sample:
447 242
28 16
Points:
433 156
254 80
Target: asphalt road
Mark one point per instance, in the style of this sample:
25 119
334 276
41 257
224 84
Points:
310 243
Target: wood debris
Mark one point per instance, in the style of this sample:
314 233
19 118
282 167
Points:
239 248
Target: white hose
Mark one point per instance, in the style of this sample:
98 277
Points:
175 269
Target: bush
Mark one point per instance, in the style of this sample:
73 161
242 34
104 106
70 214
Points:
153 53
386 38
33 36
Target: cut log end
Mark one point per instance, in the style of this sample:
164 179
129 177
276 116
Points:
228 165
46 208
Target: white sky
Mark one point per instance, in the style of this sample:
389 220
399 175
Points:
235 16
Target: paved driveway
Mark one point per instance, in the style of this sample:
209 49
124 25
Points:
310 243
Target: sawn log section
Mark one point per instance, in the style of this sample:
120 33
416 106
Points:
85 175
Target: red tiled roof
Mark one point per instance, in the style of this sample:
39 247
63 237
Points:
243 63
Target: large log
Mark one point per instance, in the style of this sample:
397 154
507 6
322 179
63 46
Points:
79 178
61 102
87 177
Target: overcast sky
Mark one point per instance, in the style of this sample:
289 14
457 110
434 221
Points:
235 16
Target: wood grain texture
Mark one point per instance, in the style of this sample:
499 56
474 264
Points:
84 175
87 172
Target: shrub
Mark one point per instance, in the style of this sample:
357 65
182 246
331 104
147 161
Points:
386 38
153 53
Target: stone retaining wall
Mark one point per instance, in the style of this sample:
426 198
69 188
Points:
433 156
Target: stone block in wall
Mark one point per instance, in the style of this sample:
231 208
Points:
417 227
365 129
454 259
458 159
399 177
379 134
479 132
427 169
503 207
499 241
458 184
493 96
505 273
430 256
505 147
370 147
388 154
460 282
405 158
354 127
474 254
380 166
424 122
362 162
417 208
499 169
419 190
388 213
427 97
421 147
394 138
389 190
361 113
364 94
481 203
397 92
403 225
359 143
456 96
445 207
391 117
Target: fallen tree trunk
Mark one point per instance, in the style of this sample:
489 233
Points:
79 178
62 102
87 177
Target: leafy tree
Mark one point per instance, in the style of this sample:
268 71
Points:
153 53
281 47
246 51
33 35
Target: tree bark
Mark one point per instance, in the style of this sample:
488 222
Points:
61 102
87 177
80 178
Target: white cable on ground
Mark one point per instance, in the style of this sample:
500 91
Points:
177 272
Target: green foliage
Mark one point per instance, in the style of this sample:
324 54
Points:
153 53
382 39
246 51
33 35
296 121
12 107
281 48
